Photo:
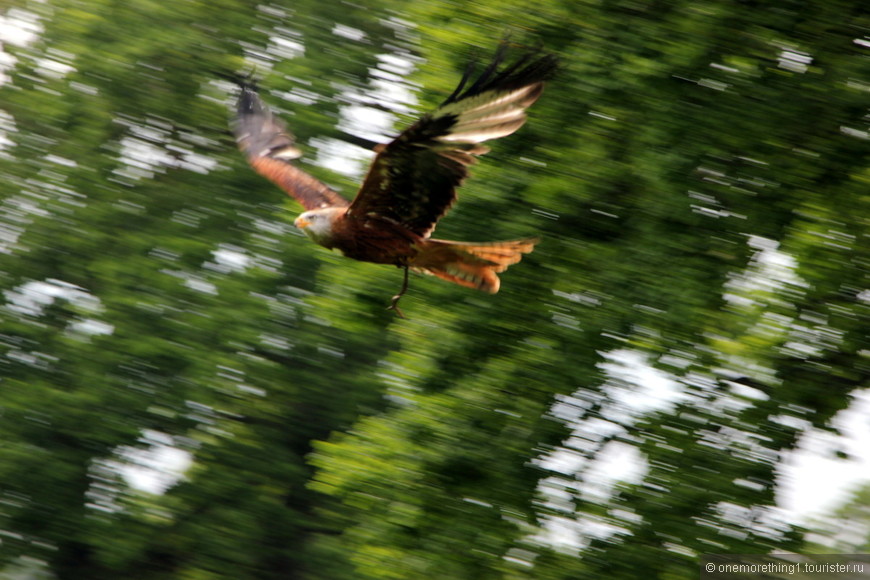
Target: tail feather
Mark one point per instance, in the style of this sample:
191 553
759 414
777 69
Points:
473 265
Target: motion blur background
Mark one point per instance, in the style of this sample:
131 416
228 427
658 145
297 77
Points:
190 390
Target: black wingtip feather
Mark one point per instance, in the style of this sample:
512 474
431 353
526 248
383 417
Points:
257 132
469 70
532 67
249 102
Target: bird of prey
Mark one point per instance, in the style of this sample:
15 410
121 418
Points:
413 179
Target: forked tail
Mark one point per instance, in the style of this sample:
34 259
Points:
469 264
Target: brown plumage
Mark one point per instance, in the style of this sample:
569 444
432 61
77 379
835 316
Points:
412 181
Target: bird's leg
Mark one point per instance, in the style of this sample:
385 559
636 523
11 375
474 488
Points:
394 305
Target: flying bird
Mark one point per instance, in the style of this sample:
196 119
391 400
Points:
412 181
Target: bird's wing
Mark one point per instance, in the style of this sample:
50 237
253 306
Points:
270 148
413 179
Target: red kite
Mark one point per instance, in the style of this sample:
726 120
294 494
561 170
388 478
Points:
412 181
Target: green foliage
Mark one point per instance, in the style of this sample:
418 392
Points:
697 171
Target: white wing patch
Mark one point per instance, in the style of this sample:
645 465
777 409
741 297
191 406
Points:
490 115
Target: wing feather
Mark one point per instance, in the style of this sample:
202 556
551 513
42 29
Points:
413 179
269 148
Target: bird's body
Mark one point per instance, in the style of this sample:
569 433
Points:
384 242
412 181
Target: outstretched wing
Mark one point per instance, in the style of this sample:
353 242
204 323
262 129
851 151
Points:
413 180
270 148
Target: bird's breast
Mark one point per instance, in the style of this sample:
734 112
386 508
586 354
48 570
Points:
373 241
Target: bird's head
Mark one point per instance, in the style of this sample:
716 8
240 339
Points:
317 223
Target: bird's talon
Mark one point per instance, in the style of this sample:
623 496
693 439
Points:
394 303
394 306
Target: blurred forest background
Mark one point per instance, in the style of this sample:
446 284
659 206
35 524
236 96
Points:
192 390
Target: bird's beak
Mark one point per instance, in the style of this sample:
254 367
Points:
301 223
